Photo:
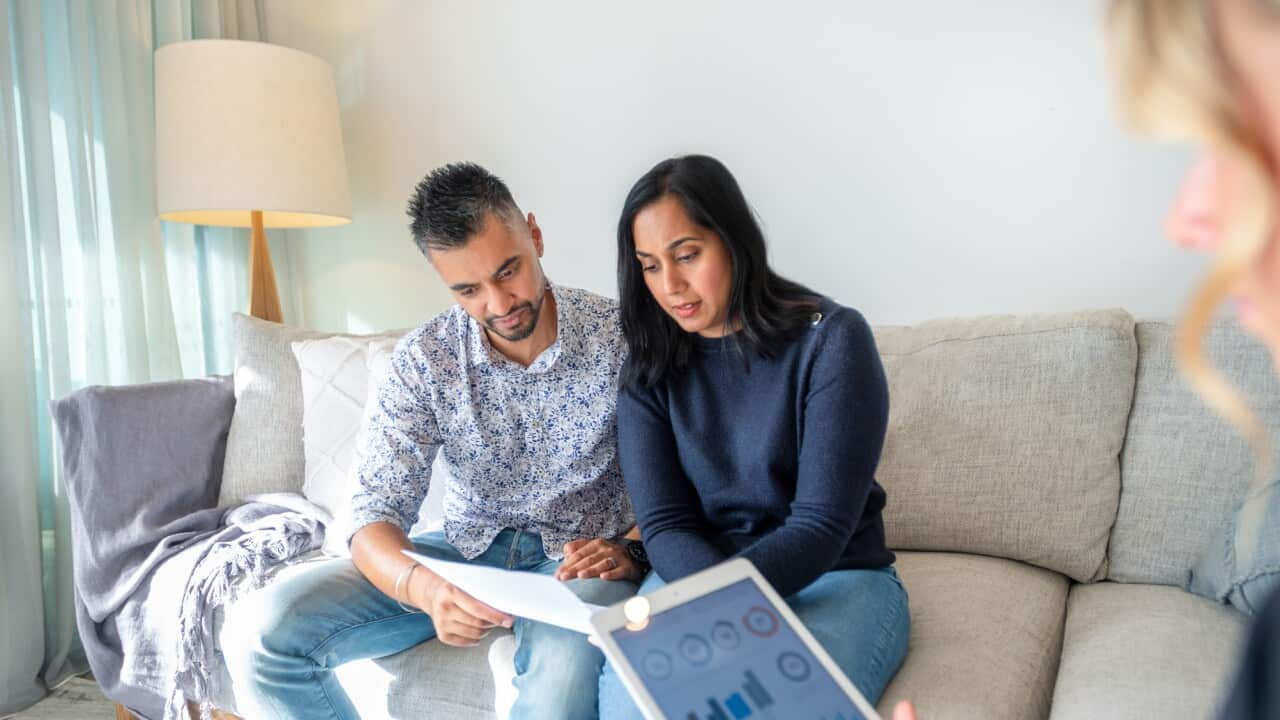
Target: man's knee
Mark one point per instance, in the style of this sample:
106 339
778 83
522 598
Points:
255 627
278 619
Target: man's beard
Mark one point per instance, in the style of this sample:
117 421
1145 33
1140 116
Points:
524 330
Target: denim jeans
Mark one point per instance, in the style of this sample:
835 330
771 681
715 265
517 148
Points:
859 617
282 643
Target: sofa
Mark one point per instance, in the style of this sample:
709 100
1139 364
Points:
1051 480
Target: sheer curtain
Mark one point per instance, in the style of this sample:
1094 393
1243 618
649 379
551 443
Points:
93 289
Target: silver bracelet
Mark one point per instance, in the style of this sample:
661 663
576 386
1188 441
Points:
404 574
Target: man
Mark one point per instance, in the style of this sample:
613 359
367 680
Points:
516 386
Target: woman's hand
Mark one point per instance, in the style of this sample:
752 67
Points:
605 559
904 711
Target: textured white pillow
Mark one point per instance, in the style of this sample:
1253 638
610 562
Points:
335 389
339 389
335 383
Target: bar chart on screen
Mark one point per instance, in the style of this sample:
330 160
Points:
752 700
729 655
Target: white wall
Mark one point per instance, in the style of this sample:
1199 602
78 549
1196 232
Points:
913 159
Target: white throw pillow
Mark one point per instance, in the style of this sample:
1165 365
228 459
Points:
335 385
339 388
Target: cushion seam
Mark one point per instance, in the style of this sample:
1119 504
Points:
1120 335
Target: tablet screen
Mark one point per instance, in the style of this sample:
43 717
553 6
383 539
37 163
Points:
730 655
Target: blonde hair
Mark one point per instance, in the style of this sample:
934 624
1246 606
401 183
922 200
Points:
1172 81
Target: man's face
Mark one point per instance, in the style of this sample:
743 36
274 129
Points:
496 276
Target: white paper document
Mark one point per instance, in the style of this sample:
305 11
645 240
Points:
521 594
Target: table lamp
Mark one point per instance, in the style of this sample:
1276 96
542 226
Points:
247 135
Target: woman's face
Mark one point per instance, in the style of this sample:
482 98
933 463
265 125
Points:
686 267
1249 37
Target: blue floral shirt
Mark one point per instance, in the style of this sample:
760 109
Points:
532 448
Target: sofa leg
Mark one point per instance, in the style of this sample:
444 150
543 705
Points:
122 714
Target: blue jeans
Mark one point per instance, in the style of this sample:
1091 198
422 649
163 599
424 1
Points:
859 617
281 644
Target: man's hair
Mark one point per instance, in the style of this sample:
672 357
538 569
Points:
451 203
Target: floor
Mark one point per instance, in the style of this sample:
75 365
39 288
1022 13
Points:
77 699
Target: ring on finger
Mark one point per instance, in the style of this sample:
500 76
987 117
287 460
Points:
613 564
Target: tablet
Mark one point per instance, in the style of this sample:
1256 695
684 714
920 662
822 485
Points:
722 645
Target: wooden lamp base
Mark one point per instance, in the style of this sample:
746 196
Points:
264 300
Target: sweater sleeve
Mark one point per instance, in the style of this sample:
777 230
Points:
665 502
846 414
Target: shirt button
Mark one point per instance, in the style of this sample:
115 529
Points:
815 318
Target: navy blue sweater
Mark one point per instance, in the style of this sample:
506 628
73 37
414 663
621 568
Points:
774 462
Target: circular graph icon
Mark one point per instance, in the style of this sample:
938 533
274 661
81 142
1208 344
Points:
760 622
793 667
695 649
657 665
725 636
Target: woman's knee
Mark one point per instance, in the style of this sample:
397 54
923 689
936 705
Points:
862 619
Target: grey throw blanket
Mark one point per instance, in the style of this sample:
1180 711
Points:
255 538
152 554
157 650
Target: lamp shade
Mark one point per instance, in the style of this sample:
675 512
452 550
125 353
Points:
248 126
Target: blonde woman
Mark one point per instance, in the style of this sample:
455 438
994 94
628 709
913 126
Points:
1208 72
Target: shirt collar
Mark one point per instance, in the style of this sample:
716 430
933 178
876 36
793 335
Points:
483 352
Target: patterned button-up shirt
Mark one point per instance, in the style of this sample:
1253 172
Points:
531 448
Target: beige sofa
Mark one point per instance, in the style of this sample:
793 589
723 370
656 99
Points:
1051 480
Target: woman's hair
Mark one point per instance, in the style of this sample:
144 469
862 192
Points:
1172 81
764 308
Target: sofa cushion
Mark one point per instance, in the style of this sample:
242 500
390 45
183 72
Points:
1184 468
1144 651
264 447
985 637
1005 435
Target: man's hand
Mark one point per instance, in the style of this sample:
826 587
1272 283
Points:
904 711
605 559
459 619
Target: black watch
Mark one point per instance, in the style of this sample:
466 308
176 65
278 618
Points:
635 551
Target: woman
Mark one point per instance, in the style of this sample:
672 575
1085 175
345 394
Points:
750 421
1208 71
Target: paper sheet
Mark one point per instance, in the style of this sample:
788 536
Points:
521 594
